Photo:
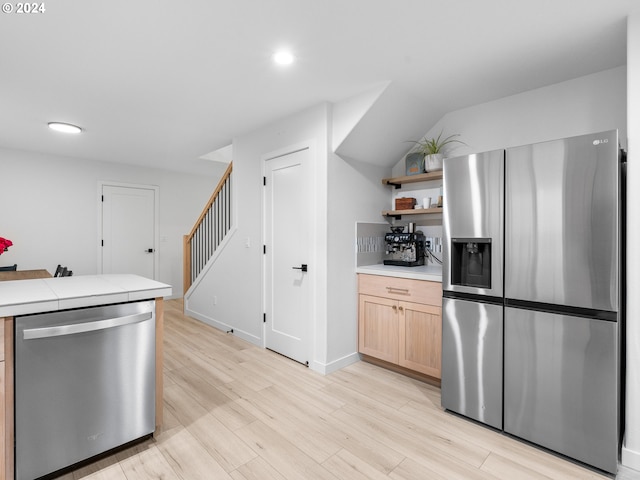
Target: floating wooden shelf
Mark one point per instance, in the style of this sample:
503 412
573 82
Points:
415 211
421 177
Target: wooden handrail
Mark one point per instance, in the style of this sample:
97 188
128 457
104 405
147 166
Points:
187 239
206 208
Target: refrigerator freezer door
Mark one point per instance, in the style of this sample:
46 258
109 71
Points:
561 221
472 360
473 209
561 384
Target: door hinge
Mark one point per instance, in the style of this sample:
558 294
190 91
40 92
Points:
264 318
264 249
102 243
102 199
264 181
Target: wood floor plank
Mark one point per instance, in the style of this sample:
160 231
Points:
506 469
290 418
348 466
145 461
414 443
182 405
225 447
371 386
280 453
104 469
189 380
369 449
409 469
528 456
189 459
256 469
237 411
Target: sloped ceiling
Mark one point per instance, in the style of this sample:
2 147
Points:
161 83
387 128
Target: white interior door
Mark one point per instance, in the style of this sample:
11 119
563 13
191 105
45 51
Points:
128 230
287 256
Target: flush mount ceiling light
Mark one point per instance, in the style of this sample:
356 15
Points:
283 57
64 127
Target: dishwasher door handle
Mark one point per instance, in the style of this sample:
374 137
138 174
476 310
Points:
61 330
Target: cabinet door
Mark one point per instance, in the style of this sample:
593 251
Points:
378 328
420 329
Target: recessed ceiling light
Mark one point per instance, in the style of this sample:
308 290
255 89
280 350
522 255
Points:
283 57
64 127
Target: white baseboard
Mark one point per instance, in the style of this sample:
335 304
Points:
630 458
322 368
327 368
224 327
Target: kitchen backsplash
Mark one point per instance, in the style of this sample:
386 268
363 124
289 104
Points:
370 244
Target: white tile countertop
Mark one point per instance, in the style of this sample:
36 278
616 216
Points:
21 297
431 273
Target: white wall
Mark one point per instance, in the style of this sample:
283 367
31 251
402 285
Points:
586 104
49 206
347 191
344 191
631 446
235 276
355 194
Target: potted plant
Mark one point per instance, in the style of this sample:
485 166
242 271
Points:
434 149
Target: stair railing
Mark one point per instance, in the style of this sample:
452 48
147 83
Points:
209 230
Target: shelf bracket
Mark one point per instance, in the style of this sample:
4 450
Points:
397 186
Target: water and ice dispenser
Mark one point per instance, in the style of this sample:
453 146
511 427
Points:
471 262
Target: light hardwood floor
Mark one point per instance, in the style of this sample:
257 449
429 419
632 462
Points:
235 411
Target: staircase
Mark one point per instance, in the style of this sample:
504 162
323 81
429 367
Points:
208 232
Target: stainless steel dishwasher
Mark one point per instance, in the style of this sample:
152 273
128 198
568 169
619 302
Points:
84 384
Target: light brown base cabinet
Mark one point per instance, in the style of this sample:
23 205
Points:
400 322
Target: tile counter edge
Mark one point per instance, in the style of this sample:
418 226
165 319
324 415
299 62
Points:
33 296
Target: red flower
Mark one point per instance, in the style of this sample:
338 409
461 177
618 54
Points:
4 245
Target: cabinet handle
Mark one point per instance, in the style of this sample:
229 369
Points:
403 291
394 307
400 308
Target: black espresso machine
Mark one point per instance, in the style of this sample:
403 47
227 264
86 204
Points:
405 249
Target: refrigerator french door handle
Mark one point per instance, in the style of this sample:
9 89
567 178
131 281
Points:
590 313
61 330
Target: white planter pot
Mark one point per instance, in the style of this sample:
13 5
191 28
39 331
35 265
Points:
433 163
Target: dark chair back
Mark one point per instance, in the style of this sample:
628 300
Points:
62 272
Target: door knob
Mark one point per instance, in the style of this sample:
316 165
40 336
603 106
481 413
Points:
302 267
149 250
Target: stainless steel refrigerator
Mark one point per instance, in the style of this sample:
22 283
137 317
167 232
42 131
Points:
532 288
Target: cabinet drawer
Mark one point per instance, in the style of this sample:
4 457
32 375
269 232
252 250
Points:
404 289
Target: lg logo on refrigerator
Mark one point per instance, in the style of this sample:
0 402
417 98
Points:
598 142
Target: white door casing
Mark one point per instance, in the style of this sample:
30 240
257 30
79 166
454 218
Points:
287 286
128 229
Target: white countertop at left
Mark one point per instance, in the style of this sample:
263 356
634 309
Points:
22 297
